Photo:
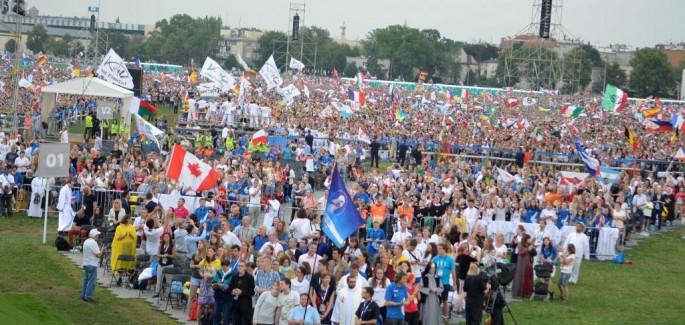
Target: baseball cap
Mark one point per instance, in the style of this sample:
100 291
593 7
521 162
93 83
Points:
93 233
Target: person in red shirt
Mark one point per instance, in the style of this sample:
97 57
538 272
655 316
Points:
181 212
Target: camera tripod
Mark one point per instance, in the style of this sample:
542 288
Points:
491 305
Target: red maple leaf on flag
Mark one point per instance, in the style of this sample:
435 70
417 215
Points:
195 169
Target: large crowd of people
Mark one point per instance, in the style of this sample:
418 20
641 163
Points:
468 181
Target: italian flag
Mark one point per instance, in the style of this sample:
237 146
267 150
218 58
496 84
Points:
359 79
463 93
538 134
191 171
147 109
614 99
571 111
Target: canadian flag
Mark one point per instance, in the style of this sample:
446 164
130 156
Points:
191 171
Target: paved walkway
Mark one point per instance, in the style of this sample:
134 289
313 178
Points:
103 280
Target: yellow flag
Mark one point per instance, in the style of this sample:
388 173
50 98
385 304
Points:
544 109
193 77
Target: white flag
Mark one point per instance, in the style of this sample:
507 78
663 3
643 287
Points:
290 92
305 90
148 130
113 69
295 64
241 62
271 74
326 112
214 72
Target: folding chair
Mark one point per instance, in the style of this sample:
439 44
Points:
176 294
167 273
117 269
107 241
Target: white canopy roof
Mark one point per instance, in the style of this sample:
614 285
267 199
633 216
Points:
88 87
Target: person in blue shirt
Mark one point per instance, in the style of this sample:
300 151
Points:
211 221
579 217
446 271
304 314
532 213
374 238
260 239
201 211
548 254
563 216
362 195
396 297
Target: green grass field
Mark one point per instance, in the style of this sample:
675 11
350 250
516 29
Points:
40 286
647 292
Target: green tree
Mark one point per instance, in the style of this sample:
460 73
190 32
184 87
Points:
591 53
120 44
11 45
37 38
408 49
652 74
57 47
231 62
181 38
616 76
482 51
268 43
350 70
678 72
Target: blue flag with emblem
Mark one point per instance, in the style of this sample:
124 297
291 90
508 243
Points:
341 218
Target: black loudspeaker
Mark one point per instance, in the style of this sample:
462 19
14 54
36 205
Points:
545 18
137 75
296 27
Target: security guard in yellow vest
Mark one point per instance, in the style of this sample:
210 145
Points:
105 129
123 131
199 140
89 127
209 142
229 143
114 129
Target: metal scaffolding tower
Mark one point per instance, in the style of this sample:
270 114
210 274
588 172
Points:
540 55
300 48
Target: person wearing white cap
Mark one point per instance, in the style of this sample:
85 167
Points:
91 258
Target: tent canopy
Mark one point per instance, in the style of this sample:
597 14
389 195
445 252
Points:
84 87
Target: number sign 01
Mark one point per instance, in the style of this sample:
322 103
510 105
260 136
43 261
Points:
53 160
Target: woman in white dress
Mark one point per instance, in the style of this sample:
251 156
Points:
38 185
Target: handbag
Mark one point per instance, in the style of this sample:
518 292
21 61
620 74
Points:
36 198
192 314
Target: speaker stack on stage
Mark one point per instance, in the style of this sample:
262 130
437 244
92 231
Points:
137 75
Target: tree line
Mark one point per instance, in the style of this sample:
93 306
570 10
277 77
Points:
408 50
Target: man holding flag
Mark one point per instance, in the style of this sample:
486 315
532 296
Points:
341 218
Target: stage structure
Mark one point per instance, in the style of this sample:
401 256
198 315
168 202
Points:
99 42
544 54
299 46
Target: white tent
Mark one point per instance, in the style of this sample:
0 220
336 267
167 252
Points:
85 87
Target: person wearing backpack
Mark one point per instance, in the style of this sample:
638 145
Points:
223 300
